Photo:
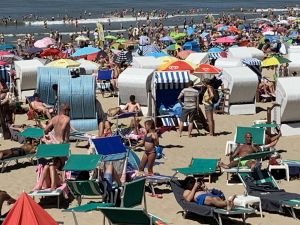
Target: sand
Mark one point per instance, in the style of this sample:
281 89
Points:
179 152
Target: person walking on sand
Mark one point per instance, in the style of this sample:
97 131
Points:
190 106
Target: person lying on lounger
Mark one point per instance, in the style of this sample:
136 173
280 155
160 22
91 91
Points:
196 191
5 197
27 148
241 151
39 106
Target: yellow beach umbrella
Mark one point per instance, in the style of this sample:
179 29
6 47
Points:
63 63
167 59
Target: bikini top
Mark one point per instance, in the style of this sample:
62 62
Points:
148 139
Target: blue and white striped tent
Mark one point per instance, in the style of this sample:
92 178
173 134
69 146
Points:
167 86
171 79
251 61
147 49
214 55
4 75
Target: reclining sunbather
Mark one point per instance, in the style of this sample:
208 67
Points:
241 151
196 191
38 106
27 148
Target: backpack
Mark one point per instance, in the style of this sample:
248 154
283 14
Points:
216 97
159 150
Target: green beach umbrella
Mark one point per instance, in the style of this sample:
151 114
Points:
121 40
173 47
179 36
110 37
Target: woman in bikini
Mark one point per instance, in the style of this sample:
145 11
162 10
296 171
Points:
196 191
150 141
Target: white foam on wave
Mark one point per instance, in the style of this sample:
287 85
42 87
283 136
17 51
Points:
277 10
106 20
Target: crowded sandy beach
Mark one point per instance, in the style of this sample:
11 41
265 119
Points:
192 122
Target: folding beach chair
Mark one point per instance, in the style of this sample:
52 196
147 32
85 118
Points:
104 82
254 156
204 210
261 184
30 132
128 199
199 167
37 116
50 151
258 137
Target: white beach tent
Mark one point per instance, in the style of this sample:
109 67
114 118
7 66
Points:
245 52
26 71
198 58
228 62
288 97
88 65
294 65
242 83
145 62
294 49
136 81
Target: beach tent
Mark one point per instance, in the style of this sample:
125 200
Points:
26 71
198 58
245 52
136 81
80 94
228 62
294 65
242 84
88 65
145 62
4 73
27 211
288 97
166 87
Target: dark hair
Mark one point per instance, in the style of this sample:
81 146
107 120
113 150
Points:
191 83
64 106
188 183
132 98
150 123
36 95
55 87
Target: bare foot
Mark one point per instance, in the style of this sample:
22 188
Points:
230 203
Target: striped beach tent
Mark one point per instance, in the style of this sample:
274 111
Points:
4 73
251 61
216 55
171 79
147 49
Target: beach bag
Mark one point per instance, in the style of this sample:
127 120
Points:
163 110
216 97
159 150
177 110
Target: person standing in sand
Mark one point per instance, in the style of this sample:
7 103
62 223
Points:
58 128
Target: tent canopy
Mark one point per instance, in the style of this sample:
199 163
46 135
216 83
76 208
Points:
197 58
228 62
145 62
245 52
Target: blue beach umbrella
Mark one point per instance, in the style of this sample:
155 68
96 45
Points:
167 39
214 50
190 31
85 51
7 47
157 54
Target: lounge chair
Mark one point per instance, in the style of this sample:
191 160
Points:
199 167
33 133
253 156
104 82
50 151
261 184
37 116
128 199
203 210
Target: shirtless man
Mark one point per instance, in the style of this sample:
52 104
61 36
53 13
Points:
132 106
241 151
38 106
58 128
197 192
25 149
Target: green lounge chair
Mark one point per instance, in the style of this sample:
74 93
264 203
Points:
273 199
199 167
129 216
128 199
30 132
253 156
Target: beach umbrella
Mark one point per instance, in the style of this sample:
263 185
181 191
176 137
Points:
207 69
244 42
50 52
88 65
40 44
5 53
219 26
184 54
26 211
85 51
179 36
190 31
49 40
110 37
115 46
81 38
204 34
3 63
7 47
224 40
215 50
274 61
233 29
167 39
177 65
167 59
223 28
63 63
121 40
157 54
33 50
173 47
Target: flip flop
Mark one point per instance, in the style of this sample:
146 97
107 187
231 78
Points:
156 195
